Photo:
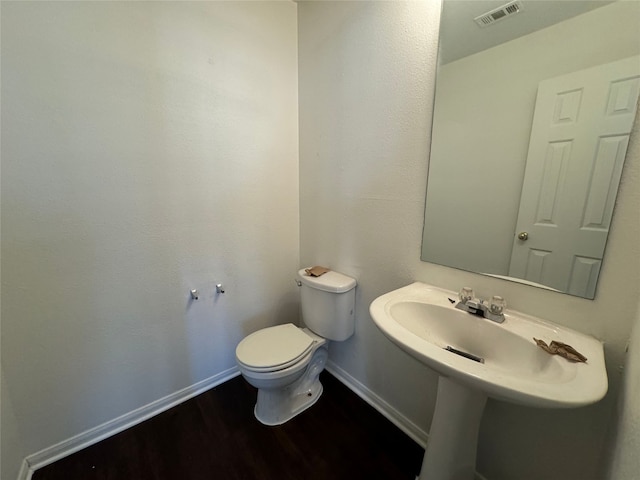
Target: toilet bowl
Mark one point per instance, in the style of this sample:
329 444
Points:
284 362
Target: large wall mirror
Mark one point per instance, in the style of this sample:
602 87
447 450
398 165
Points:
535 101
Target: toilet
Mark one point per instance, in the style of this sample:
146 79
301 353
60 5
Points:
284 362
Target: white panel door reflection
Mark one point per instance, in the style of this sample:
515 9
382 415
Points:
577 147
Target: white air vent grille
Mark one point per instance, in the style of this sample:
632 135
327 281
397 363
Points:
499 13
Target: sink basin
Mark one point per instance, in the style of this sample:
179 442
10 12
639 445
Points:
422 321
499 360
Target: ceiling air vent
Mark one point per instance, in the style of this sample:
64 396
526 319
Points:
499 13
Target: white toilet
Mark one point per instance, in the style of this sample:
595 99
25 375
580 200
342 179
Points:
284 362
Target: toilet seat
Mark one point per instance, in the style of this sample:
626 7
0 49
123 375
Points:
274 348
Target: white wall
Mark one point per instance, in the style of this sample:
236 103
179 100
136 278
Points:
148 148
11 440
484 170
625 463
366 80
365 86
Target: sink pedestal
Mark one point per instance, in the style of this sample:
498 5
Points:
453 438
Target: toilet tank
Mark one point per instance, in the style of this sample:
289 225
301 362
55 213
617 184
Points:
328 304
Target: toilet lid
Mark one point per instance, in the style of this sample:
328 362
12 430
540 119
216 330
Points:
274 347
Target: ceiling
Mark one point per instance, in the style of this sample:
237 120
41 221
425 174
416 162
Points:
460 36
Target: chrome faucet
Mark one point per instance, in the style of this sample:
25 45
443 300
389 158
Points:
477 306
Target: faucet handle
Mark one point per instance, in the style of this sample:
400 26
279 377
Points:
466 294
497 305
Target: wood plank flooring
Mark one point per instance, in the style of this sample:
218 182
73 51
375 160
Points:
215 436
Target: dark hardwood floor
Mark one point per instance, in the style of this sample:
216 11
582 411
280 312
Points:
215 436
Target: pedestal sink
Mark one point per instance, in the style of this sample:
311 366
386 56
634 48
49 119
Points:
501 361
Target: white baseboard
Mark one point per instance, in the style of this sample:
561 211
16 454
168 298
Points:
94 435
417 434
25 472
